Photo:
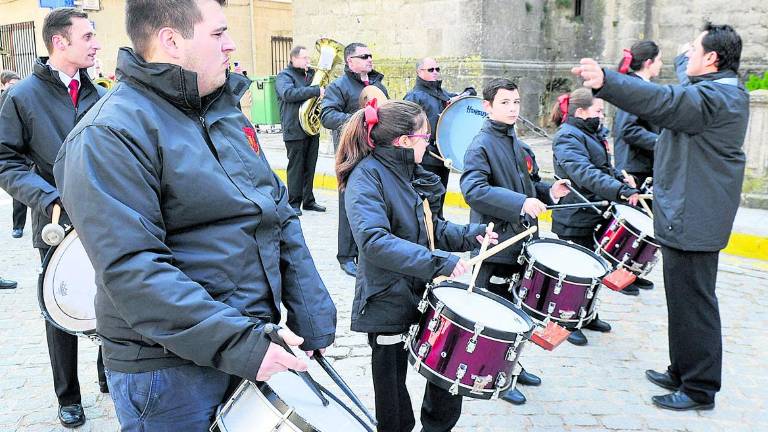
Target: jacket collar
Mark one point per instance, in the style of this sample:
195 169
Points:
374 76
498 128
301 71
48 74
399 160
713 76
174 83
433 88
580 124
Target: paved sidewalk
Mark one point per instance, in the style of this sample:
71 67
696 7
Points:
597 387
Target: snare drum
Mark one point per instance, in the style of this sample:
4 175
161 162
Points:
457 126
67 288
468 342
284 404
627 240
560 282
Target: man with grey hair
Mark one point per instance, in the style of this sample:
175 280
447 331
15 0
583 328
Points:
35 117
429 94
193 242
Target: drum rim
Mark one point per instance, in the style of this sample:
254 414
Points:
41 293
539 317
548 271
631 227
468 325
439 122
444 383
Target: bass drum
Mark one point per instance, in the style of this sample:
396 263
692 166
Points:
457 126
67 288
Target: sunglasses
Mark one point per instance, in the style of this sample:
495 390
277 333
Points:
363 56
425 136
434 69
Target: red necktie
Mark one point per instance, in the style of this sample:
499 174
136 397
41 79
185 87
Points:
73 85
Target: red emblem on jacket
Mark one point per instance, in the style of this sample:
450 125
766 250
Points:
252 140
529 164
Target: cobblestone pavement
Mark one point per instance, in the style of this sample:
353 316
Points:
597 387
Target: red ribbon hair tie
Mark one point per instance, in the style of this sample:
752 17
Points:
563 101
371 119
624 68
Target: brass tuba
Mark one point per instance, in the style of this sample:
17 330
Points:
104 82
331 54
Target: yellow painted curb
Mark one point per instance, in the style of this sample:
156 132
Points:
743 245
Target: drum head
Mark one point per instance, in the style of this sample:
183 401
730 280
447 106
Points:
636 218
478 308
566 258
457 127
68 287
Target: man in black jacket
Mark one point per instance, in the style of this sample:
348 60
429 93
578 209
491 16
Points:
293 88
8 79
342 98
36 115
190 233
429 94
699 168
501 184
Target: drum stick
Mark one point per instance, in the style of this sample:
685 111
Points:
328 368
578 205
646 208
56 214
447 162
483 247
575 192
503 245
640 196
271 331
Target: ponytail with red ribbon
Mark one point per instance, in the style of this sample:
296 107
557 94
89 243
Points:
371 119
624 68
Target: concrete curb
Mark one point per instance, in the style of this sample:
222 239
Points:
743 245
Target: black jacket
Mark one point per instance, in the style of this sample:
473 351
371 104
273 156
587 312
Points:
433 100
342 99
190 232
293 88
580 156
384 201
699 162
35 117
633 142
500 173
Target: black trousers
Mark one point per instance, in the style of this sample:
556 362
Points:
19 215
62 350
440 411
347 248
443 173
302 160
695 338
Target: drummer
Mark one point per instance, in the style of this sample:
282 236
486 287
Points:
581 155
428 92
378 166
501 184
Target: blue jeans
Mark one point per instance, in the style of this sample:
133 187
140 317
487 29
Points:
182 398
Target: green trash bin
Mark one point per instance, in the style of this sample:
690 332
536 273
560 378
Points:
264 109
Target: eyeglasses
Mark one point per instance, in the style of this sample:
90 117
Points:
363 56
425 136
434 69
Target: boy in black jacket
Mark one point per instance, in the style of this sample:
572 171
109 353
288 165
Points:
501 184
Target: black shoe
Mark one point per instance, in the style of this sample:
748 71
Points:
631 290
71 416
679 401
514 396
349 268
643 283
7 284
103 387
314 207
529 379
17 232
598 325
577 338
297 210
662 380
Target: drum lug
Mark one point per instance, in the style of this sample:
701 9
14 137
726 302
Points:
501 380
514 280
592 288
423 351
582 315
551 308
650 264
523 293
559 284
283 418
460 372
480 382
520 258
511 353
411 334
423 305
434 323
473 341
529 269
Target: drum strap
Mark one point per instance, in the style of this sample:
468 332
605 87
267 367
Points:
428 223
